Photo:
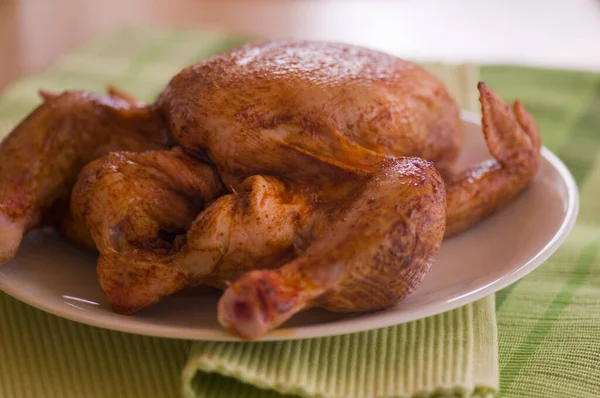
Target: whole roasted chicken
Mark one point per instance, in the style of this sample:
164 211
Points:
291 174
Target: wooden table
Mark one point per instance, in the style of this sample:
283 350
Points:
558 33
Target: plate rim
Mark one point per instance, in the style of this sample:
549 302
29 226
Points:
344 326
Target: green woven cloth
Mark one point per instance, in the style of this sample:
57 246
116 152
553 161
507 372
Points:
549 322
549 328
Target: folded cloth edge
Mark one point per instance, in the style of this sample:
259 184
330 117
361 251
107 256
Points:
215 357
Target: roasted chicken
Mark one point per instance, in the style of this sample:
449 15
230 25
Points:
304 174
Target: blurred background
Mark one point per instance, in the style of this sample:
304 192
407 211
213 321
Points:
546 33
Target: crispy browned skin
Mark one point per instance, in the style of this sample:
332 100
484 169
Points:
371 252
310 111
73 228
325 150
137 207
368 259
323 114
266 223
514 141
261 224
42 157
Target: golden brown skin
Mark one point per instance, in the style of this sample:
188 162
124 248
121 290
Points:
268 108
71 227
323 114
325 149
137 208
372 252
262 224
142 199
42 157
133 203
352 267
514 141
266 224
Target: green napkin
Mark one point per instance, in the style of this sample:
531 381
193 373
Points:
548 323
448 355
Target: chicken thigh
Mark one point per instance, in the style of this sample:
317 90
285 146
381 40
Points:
371 251
262 224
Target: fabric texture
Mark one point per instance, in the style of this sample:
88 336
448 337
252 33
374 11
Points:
448 355
549 324
549 321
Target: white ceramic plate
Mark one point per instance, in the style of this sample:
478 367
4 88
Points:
56 277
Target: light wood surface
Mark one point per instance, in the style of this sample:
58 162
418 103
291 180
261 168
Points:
10 63
558 33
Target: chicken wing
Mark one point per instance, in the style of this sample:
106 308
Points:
514 141
43 155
